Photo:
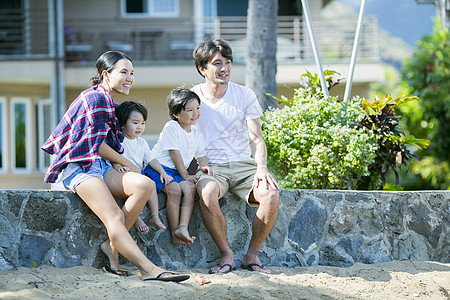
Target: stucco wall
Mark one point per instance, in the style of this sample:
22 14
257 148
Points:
314 227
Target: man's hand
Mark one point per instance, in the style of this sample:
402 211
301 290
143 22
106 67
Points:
208 170
264 179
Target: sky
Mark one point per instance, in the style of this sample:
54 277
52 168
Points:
402 18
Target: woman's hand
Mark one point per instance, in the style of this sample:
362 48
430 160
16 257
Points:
119 168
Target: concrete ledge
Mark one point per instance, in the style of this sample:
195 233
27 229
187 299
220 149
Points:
314 227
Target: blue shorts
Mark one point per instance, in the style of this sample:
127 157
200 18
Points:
153 175
97 169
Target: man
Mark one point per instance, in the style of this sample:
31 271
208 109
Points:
230 116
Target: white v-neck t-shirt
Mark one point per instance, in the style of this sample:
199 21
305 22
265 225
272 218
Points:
137 151
224 124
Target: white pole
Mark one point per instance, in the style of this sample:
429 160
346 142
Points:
307 17
351 70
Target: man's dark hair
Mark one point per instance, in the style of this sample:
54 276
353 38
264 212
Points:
207 48
124 110
178 99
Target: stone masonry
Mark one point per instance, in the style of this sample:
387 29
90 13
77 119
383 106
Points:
314 227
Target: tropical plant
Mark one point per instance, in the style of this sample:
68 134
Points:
392 151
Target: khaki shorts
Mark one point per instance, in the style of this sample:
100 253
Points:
236 177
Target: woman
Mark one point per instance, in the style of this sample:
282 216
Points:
86 141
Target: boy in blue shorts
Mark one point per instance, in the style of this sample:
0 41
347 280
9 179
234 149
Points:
177 145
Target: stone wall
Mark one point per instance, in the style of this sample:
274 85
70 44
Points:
314 227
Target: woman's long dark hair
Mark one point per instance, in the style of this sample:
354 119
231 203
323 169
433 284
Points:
107 61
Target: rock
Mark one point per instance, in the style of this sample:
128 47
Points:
307 227
325 227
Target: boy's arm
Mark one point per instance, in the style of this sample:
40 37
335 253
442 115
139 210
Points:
178 162
165 178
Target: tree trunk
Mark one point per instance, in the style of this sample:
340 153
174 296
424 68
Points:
261 62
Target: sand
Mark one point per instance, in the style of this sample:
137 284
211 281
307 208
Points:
391 280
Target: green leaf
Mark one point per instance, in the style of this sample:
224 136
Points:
283 99
392 187
411 140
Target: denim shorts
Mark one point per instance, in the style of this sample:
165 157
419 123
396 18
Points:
77 175
153 175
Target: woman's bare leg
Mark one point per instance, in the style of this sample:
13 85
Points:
96 194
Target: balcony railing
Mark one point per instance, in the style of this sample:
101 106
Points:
24 35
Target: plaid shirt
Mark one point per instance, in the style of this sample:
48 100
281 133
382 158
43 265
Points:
88 122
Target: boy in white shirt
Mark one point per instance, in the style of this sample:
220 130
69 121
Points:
132 117
177 145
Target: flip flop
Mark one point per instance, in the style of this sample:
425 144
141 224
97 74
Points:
176 278
250 267
230 269
115 272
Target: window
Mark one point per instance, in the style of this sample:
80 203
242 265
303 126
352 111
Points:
20 135
43 130
151 8
3 153
232 8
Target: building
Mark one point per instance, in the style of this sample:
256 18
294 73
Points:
48 51
442 10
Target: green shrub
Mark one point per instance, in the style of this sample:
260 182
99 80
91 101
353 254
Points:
427 74
313 144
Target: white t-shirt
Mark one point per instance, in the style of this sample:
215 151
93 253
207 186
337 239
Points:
173 137
137 151
223 124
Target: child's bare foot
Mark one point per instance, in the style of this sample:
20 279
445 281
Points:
177 241
181 233
139 225
156 221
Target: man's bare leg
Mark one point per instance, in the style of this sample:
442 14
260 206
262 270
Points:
263 223
215 223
